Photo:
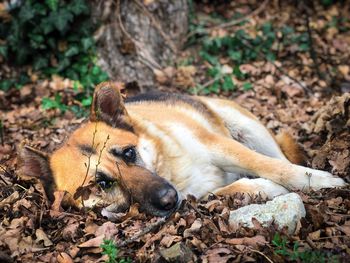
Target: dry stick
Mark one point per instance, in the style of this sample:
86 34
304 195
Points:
261 55
143 232
262 254
1 133
311 43
99 156
239 20
236 21
6 172
89 162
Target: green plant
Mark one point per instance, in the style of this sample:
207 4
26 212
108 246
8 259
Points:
295 254
241 48
110 249
54 37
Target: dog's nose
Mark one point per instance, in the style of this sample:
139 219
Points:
166 198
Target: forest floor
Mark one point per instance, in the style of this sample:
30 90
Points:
288 81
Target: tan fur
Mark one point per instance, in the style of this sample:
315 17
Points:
291 149
198 145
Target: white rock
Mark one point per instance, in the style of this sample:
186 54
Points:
284 210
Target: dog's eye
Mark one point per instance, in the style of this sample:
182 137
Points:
104 181
129 155
105 184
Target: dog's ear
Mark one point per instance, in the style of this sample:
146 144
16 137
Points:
35 163
108 106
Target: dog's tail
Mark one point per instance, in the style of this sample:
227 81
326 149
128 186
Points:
291 149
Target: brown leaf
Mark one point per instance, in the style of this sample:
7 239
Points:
248 241
64 258
94 242
41 236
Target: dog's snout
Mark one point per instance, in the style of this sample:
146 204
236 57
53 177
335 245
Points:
166 198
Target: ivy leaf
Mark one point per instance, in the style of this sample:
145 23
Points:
87 42
247 86
71 51
40 62
228 84
26 13
79 7
61 19
52 4
3 51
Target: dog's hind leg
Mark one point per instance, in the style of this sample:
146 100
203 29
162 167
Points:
233 157
246 128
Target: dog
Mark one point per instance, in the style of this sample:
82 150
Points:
155 148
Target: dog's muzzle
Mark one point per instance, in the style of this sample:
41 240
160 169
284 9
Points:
165 199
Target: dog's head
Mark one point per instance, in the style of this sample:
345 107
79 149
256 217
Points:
107 153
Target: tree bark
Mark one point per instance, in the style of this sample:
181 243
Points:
137 36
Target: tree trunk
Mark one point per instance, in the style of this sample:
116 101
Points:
137 36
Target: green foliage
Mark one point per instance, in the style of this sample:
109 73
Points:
54 37
241 48
294 254
109 249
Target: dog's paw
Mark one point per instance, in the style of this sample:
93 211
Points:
321 179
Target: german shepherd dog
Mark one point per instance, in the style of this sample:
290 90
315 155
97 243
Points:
156 148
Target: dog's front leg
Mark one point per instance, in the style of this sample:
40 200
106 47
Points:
256 186
232 156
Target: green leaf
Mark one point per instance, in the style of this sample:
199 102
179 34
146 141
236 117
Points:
304 47
270 56
86 102
235 55
52 4
3 51
87 43
26 12
71 51
6 84
247 86
79 7
61 18
206 56
40 62
228 84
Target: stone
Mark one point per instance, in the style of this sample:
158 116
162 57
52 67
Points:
285 210
178 253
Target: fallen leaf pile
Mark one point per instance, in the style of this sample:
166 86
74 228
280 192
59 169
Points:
287 95
331 126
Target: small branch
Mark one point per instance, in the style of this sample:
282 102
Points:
262 254
1 133
143 232
261 55
313 52
239 20
232 22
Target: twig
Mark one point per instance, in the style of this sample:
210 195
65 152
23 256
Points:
143 232
100 154
89 161
304 87
311 43
239 20
262 254
233 22
261 55
1 133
